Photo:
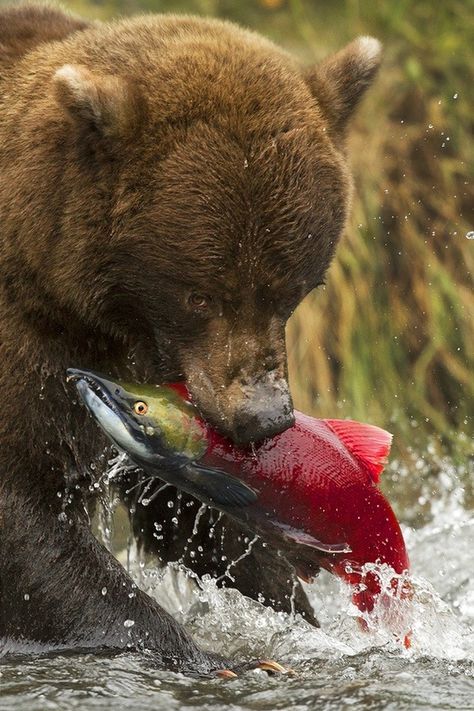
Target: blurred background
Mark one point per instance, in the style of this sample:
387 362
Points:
390 339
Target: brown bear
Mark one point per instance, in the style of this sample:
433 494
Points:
170 189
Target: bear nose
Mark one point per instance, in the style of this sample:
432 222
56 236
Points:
267 412
253 428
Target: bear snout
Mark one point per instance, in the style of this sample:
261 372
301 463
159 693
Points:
247 411
255 424
265 410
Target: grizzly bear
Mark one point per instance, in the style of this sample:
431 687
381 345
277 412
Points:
170 189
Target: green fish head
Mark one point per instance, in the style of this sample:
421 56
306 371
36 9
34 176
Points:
144 420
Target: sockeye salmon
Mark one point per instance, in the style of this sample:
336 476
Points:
310 491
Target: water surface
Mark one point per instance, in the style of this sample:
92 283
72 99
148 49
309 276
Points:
337 667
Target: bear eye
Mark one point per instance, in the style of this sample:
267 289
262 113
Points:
199 301
140 407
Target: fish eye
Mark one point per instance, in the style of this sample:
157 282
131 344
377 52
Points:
199 301
140 407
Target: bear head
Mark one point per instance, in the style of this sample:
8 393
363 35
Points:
214 169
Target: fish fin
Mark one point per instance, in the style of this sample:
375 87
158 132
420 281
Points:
220 487
305 539
369 443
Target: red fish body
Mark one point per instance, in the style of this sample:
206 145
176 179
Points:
318 480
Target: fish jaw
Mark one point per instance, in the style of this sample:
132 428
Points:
104 401
113 424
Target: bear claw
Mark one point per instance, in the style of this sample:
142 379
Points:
226 674
273 667
267 665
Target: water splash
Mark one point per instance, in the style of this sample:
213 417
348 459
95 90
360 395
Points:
116 467
439 614
337 666
200 513
233 563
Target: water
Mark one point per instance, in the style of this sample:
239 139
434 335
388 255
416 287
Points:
337 667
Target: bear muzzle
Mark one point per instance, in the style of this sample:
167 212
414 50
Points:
263 410
247 410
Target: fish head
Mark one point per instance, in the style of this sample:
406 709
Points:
147 422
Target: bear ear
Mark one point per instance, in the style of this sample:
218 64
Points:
339 82
101 102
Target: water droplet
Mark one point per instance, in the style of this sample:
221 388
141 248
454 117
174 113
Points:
170 504
26 597
104 591
470 234
129 623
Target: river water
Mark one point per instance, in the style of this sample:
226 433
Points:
336 667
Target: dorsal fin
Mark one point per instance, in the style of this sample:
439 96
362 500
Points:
370 444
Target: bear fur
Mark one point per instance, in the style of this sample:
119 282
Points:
170 189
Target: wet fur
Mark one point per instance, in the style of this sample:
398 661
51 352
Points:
140 161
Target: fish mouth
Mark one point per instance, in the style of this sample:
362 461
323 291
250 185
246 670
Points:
88 382
107 402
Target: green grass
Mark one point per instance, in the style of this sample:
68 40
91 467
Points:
392 339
